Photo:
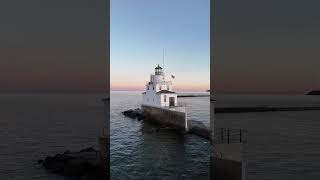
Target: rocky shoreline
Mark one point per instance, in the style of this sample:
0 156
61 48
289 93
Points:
83 164
314 92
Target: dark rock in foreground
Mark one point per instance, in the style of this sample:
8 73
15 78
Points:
314 92
86 163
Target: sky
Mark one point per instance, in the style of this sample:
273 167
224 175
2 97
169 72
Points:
262 46
53 46
141 29
267 46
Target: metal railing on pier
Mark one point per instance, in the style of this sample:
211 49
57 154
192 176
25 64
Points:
229 136
181 107
179 104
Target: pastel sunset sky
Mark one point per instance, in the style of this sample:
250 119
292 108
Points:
140 30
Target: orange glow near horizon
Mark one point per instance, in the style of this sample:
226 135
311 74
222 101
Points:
140 86
183 82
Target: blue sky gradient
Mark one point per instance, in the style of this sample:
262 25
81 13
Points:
140 30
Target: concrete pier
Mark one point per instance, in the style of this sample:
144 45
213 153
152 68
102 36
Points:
228 162
164 116
169 118
198 128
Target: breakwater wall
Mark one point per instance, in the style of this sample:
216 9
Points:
193 95
262 109
169 118
164 117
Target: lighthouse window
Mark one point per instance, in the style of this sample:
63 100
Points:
165 98
152 87
148 87
160 88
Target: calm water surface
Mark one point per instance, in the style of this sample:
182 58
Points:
281 145
160 155
33 126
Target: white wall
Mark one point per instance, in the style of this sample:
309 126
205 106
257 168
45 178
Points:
163 87
157 78
157 100
151 97
167 99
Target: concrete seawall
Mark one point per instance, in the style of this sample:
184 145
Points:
169 118
164 117
198 128
225 169
228 162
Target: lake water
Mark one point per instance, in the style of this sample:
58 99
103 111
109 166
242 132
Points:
33 126
280 145
160 155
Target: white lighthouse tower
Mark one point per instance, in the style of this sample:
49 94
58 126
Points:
159 91
160 103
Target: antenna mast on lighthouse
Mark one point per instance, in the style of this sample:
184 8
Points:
163 58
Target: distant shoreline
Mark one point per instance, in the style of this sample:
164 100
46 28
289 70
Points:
262 109
194 95
314 92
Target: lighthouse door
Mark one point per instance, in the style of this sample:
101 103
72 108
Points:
171 101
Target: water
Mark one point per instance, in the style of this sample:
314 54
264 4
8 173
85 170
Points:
281 145
33 126
160 155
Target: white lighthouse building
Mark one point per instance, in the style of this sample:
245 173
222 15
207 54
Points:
160 103
159 91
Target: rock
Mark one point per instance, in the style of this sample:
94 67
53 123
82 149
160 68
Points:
90 149
315 92
67 152
134 114
86 162
40 161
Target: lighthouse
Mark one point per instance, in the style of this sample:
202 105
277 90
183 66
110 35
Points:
160 103
159 91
